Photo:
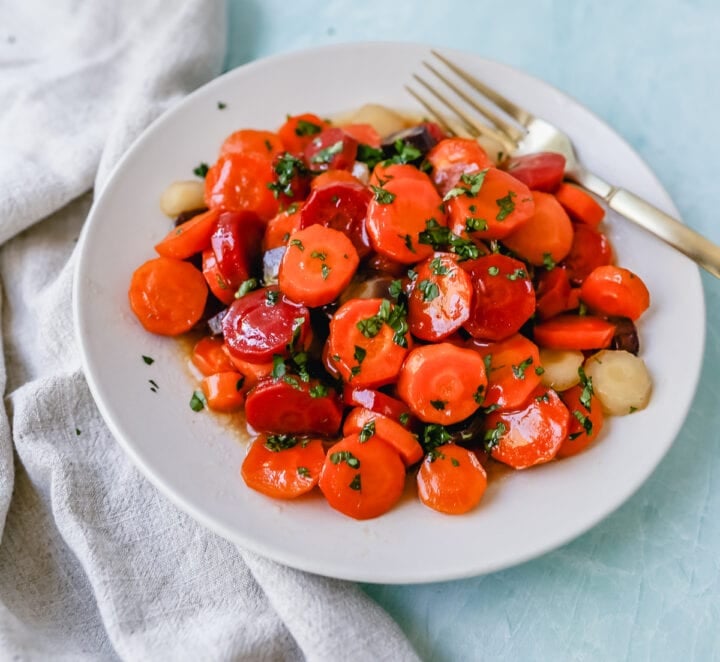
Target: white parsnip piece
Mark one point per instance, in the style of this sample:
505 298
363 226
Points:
182 196
561 368
620 380
382 119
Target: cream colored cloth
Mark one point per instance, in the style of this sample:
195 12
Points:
94 563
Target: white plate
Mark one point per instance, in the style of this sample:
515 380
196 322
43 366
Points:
194 457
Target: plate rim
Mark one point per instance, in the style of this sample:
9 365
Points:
212 523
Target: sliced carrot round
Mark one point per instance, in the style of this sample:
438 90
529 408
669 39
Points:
368 423
190 237
581 206
265 144
318 265
280 227
581 332
442 383
615 291
385 172
451 480
586 419
209 356
362 479
224 391
283 466
453 157
167 295
298 130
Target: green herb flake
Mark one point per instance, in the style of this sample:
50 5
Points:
539 370
518 273
487 360
268 145
198 401
246 286
548 262
298 243
395 289
286 169
404 418
201 170
153 385
318 391
319 255
369 155
303 472
543 398
493 271
383 196
584 421
519 370
149 360
221 105
428 289
345 456
408 242
473 183
473 224
479 395
291 380
359 354
280 442
355 483
77 432
434 435
587 391
404 152
632 410
279 368
305 128
506 206
367 431
326 154
438 268
438 404
582 309
493 436
455 462
325 271
272 297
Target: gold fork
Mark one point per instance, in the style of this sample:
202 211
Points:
528 134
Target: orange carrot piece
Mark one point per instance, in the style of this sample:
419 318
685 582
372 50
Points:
317 266
333 177
615 291
190 237
167 296
442 383
363 133
264 144
361 420
209 356
586 419
298 130
451 480
280 227
362 479
581 206
224 391
283 467
384 172
581 332
253 372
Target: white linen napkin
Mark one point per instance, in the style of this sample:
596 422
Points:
94 562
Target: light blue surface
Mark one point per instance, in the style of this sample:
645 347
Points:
645 583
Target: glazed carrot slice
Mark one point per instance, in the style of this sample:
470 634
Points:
362 479
283 466
367 343
384 172
220 288
615 291
239 182
398 214
489 204
265 144
333 177
224 391
280 227
553 292
531 434
441 298
442 383
586 418
253 372
368 423
318 264
590 249
453 157
363 133
581 332
513 370
298 130
547 237
581 206
167 295
209 356
190 237
451 480
378 402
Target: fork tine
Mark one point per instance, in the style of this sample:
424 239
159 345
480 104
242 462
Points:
511 131
473 128
520 115
434 112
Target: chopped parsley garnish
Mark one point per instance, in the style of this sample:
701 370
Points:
279 368
438 268
345 456
359 354
318 255
493 271
519 370
408 242
198 401
369 155
543 398
148 359
404 418
632 410
395 289
487 360
479 395
325 271
404 152
411 274
548 262
428 289
474 182
434 435
587 392
287 168
539 370
438 404
383 196
318 391
393 316
475 224
221 105
326 154
280 442
268 145
494 435
582 309
305 128
440 237
246 286
272 297
506 206
518 273
355 483
367 431
584 421
201 170
298 243
304 472
455 462
77 432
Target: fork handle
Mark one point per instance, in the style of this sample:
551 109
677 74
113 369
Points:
662 225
